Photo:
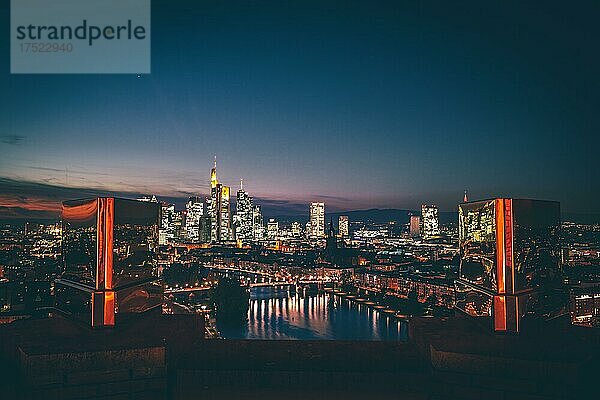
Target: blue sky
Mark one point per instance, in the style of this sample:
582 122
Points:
359 104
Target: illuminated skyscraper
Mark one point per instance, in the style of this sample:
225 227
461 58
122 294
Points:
110 268
509 259
296 229
343 226
258 224
166 233
430 224
179 225
415 225
244 216
272 229
219 209
194 211
317 220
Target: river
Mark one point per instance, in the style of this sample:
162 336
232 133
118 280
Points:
280 314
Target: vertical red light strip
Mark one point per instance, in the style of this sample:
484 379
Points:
500 251
509 271
109 295
108 248
105 303
100 244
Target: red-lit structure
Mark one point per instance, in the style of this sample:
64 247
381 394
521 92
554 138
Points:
109 259
509 259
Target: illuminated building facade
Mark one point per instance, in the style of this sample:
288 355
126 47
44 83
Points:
430 223
244 215
258 223
509 259
272 229
205 227
194 210
109 252
219 209
343 226
166 233
415 225
317 220
585 306
296 229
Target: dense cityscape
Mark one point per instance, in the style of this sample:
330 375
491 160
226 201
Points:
400 267
299 200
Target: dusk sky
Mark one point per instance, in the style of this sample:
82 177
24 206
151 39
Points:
357 104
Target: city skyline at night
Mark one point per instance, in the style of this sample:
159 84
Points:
299 200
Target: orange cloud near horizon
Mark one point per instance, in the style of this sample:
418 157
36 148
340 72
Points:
30 203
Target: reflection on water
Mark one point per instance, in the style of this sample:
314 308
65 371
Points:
278 314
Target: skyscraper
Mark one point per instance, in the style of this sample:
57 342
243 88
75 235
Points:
219 209
257 223
244 215
509 259
272 229
194 211
317 220
415 225
166 233
343 226
430 224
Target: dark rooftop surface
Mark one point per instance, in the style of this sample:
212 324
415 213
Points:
155 356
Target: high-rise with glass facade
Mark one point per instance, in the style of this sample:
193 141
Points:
509 260
244 215
430 223
317 220
166 232
272 229
109 250
343 226
194 210
415 225
258 225
219 209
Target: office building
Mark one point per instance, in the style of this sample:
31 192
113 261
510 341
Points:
296 229
415 225
343 226
272 229
167 230
430 223
317 220
509 260
258 224
584 306
244 216
194 210
109 260
219 209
